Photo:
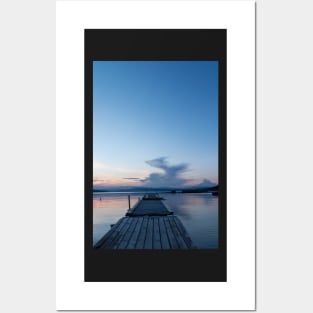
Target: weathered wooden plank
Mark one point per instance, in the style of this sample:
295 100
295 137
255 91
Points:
167 207
184 233
122 233
152 196
170 234
178 237
108 235
156 234
133 240
163 234
149 235
142 234
131 210
123 244
115 232
150 227
151 207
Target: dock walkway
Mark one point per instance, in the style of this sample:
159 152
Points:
150 204
148 225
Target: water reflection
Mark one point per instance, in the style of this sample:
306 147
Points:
198 213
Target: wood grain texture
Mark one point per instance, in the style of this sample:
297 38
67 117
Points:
158 230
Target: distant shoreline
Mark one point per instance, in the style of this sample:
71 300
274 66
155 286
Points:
167 190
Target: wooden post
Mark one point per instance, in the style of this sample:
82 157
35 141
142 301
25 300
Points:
129 202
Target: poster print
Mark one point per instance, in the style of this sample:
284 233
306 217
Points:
155 154
203 277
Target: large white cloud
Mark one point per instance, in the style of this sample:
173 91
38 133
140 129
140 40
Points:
171 176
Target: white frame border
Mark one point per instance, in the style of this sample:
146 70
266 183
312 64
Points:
238 17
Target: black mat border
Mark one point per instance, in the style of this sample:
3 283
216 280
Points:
151 265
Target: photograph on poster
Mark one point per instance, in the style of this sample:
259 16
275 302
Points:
157 126
147 114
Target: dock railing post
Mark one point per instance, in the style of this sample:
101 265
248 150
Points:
129 202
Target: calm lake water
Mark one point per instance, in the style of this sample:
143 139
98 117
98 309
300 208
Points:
197 211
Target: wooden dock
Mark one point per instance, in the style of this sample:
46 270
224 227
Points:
151 205
148 225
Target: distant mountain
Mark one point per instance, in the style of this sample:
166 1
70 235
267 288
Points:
131 189
205 184
196 188
214 188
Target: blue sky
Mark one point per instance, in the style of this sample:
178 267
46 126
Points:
155 123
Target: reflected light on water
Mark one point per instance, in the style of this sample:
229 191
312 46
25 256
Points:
198 213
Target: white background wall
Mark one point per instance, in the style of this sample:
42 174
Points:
284 154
